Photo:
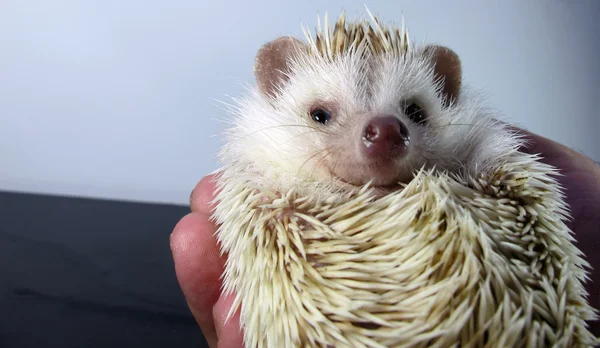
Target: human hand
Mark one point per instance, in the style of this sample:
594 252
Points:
580 178
198 264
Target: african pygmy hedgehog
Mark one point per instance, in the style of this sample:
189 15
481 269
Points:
367 199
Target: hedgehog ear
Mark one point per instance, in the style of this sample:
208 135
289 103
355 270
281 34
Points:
447 67
272 63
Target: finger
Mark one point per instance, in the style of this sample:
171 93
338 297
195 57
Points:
228 331
553 153
579 176
198 268
201 199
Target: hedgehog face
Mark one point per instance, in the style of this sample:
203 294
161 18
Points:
359 117
365 109
372 118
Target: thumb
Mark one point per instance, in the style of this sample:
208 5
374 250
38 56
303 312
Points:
229 332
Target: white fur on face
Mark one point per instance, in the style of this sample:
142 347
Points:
277 139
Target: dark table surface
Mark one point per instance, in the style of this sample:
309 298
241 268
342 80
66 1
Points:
89 273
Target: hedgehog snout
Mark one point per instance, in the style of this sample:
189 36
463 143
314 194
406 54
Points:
385 137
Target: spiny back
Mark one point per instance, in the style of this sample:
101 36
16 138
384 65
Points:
349 37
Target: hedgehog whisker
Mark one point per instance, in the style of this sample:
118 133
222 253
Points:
299 135
334 166
312 156
457 161
324 153
474 125
237 139
304 155
327 152
319 161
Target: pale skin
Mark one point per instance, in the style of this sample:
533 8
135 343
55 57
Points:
199 266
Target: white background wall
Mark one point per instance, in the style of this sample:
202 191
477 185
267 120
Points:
114 98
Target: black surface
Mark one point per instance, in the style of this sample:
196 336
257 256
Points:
89 273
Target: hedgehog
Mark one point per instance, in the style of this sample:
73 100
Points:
367 198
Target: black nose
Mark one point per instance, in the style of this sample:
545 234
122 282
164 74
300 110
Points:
385 136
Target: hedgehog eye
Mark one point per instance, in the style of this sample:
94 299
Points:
414 112
320 115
